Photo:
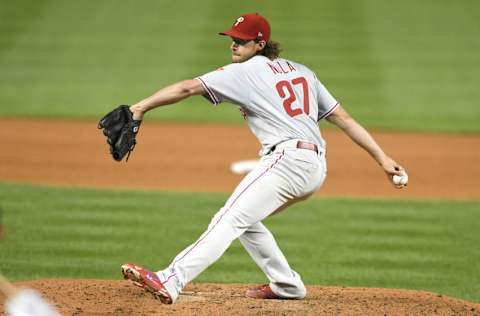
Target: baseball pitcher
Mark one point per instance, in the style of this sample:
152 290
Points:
282 102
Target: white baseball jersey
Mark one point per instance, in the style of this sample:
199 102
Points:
282 102
280 99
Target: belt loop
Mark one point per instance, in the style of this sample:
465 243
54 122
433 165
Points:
272 149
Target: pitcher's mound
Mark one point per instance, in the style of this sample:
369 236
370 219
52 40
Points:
95 297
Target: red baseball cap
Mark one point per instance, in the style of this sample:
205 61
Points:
249 27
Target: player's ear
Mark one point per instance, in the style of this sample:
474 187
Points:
261 45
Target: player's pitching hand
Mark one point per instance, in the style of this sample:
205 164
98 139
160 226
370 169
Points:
396 174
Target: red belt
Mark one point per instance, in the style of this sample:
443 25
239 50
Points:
305 145
301 145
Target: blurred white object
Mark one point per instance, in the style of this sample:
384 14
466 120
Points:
27 302
243 166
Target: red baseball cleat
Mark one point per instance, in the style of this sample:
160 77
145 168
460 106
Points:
262 292
147 280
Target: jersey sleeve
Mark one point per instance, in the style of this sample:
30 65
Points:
226 84
326 102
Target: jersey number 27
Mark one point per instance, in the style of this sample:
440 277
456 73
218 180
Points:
290 98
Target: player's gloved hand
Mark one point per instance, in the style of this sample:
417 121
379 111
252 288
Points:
121 130
138 112
391 169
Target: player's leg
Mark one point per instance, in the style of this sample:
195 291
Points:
278 180
262 247
226 225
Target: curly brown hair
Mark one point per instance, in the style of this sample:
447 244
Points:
271 50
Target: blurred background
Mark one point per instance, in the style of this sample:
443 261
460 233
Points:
398 66
409 65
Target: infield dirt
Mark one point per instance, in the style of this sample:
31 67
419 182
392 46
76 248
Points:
185 157
89 297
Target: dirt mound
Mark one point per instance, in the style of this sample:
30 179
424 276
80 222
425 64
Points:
95 297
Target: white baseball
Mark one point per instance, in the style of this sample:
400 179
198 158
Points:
400 180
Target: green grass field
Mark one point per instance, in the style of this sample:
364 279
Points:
67 233
405 66
409 65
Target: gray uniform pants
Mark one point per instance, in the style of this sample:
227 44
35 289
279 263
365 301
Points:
287 175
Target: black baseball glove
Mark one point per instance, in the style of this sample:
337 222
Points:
120 129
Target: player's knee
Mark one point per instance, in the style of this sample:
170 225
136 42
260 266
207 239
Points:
230 217
237 220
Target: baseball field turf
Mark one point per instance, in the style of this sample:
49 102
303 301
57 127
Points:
409 66
68 233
